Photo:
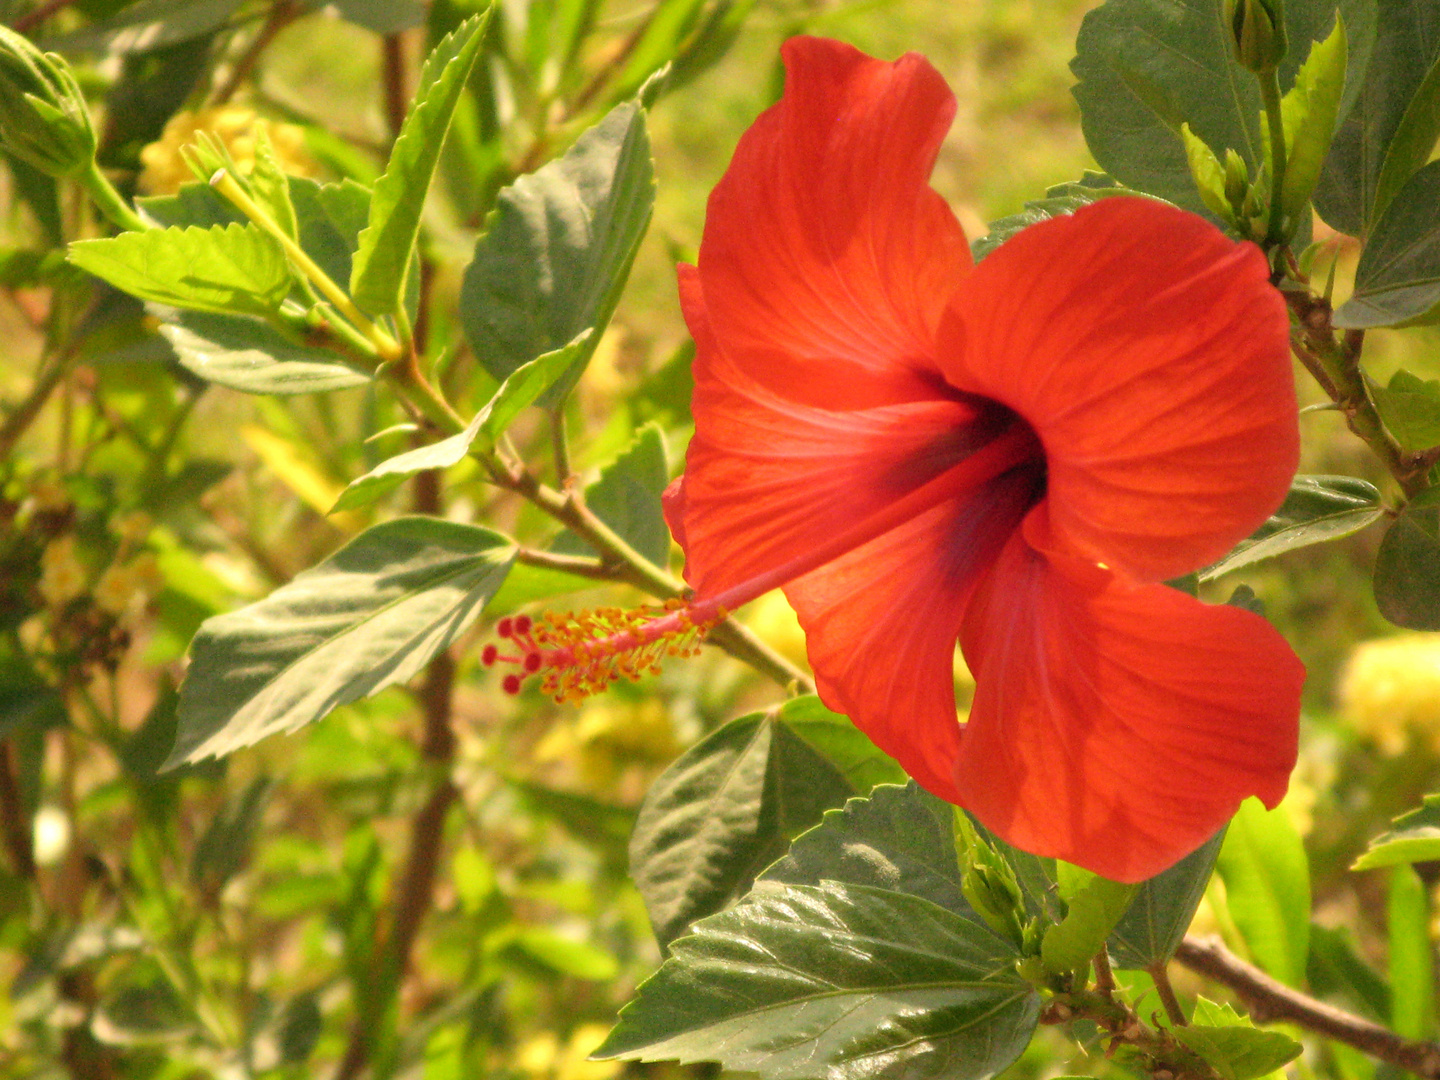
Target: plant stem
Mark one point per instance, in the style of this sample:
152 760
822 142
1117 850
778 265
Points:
1160 973
385 346
31 19
1269 1001
1270 94
108 200
560 445
282 14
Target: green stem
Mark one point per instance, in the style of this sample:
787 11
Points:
1270 93
560 444
385 345
108 200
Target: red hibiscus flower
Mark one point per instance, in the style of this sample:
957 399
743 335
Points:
1013 455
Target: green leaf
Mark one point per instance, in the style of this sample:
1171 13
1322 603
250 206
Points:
557 250
1158 917
514 394
381 16
627 498
372 614
1410 407
1412 956
388 242
565 955
799 982
721 813
1093 910
330 218
1267 888
668 26
1317 510
1061 199
1406 44
1233 1045
1415 838
1147 66
1398 279
1308 114
1407 566
1337 970
148 25
1208 174
247 354
270 187
860 761
237 268
1414 139
900 838
223 850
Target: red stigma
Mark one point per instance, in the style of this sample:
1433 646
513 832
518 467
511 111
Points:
577 654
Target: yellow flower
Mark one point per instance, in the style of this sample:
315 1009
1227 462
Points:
235 126
62 577
542 1056
1390 691
124 586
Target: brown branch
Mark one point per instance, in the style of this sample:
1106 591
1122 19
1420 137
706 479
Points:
1269 1001
18 835
31 19
397 96
281 15
1161 976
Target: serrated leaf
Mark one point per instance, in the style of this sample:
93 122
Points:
900 838
860 761
1157 918
722 812
557 249
513 395
627 498
247 354
1415 838
1410 407
800 982
1412 955
1059 200
1308 114
1317 510
269 186
235 269
1407 566
1233 1045
1398 278
388 242
1405 44
372 614
1267 889
1093 910
1144 67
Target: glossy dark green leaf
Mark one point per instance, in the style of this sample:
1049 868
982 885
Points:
1407 566
372 614
1059 200
1415 838
1233 1045
860 761
387 244
722 812
1414 139
1412 955
1406 43
247 354
1161 911
1267 889
1144 67
1398 279
557 249
237 269
518 391
801 982
900 838
1318 509
1410 407
626 497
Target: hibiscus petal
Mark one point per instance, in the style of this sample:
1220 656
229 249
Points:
768 479
827 258
1151 354
1117 725
881 624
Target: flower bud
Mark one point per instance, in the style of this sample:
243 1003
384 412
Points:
43 118
1258 27
1237 179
